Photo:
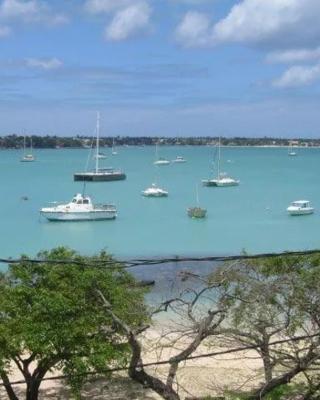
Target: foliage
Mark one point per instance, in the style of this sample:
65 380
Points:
50 315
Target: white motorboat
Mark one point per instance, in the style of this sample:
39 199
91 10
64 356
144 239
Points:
27 157
154 191
80 208
300 207
179 159
222 179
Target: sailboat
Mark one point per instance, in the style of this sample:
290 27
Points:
27 157
160 160
99 174
154 190
113 151
222 179
291 152
197 211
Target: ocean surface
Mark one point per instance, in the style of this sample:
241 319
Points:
250 217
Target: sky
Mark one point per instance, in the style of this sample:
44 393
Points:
160 67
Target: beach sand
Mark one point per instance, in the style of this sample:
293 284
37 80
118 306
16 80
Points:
201 377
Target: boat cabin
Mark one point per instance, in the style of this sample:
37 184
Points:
79 199
301 204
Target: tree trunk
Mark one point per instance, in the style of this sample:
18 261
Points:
32 392
138 374
266 364
11 394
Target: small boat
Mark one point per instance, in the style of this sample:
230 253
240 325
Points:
100 156
80 208
222 179
300 207
113 151
160 160
197 211
179 159
291 152
154 191
27 157
99 174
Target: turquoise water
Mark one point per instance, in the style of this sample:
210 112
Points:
251 216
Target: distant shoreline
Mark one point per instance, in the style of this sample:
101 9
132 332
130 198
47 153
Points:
87 142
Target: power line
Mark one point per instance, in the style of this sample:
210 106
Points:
166 362
149 262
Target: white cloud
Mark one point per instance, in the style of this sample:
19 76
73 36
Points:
129 22
30 11
298 76
274 24
297 55
106 6
193 30
44 63
271 23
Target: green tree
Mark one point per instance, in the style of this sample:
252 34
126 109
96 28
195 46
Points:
50 317
278 299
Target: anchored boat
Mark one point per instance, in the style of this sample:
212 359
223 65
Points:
80 208
154 191
197 211
160 160
27 157
222 179
300 207
100 174
179 160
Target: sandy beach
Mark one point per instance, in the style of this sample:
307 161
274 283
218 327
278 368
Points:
201 377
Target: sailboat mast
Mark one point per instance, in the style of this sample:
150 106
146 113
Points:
219 157
97 142
197 195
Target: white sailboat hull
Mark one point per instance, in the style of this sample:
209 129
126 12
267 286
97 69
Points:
220 182
154 193
162 162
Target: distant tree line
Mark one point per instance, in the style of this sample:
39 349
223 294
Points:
52 142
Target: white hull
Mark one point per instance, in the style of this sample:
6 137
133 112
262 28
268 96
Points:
300 211
27 159
155 194
79 216
220 182
162 162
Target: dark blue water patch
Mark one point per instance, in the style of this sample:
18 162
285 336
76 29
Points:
173 278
